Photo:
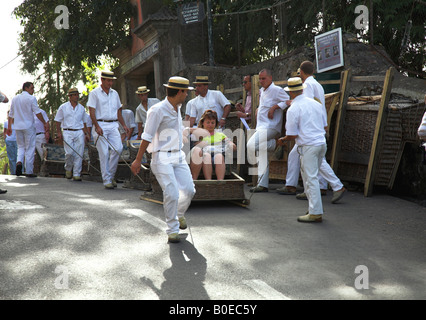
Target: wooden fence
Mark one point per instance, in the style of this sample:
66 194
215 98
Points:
345 143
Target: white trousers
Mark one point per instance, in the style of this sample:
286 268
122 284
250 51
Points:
310 162
73 161
108 158
326 173
25 140
40 139
174 176
263 142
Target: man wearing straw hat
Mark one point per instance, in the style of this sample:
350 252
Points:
208 99
164 131
71 115
105 112
315 91
307 123
142 109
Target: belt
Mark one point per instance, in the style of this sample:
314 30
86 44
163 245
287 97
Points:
39 133
71 129
100 120
169 151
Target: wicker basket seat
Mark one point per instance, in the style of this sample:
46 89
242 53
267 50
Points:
53 160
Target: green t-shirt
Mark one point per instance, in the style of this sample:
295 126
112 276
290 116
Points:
216 143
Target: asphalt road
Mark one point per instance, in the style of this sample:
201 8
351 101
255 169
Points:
61 239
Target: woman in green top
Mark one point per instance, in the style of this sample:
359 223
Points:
210 149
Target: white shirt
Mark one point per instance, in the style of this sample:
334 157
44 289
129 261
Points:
71 118
140 116
306 119
214 100
314 90
12 137
21 110
188 107
163 127
106 105
421 131
273 95
87 120
38 124
129 120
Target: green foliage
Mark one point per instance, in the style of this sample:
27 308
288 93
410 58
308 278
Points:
91 79
390 25
287 25
96 27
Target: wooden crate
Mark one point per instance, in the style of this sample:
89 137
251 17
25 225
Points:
229 189
54 160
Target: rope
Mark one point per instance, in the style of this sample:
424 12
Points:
112 147
251 10
80 155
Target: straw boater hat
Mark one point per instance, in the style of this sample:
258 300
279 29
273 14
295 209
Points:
108 75
73 90
142 90
295 84
178 83
201 80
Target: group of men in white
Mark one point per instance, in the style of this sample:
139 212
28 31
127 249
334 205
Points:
111 124
306 124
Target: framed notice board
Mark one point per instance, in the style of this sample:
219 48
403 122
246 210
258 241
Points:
329 50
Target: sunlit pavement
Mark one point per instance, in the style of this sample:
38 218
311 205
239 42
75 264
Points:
61 239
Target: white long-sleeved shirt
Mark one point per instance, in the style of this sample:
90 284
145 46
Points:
164 127
314 90
273 95
22 108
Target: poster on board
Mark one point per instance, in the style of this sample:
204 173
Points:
329 50
191 12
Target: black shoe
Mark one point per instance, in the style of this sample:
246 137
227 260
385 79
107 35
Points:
31 175
19 169
2 191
